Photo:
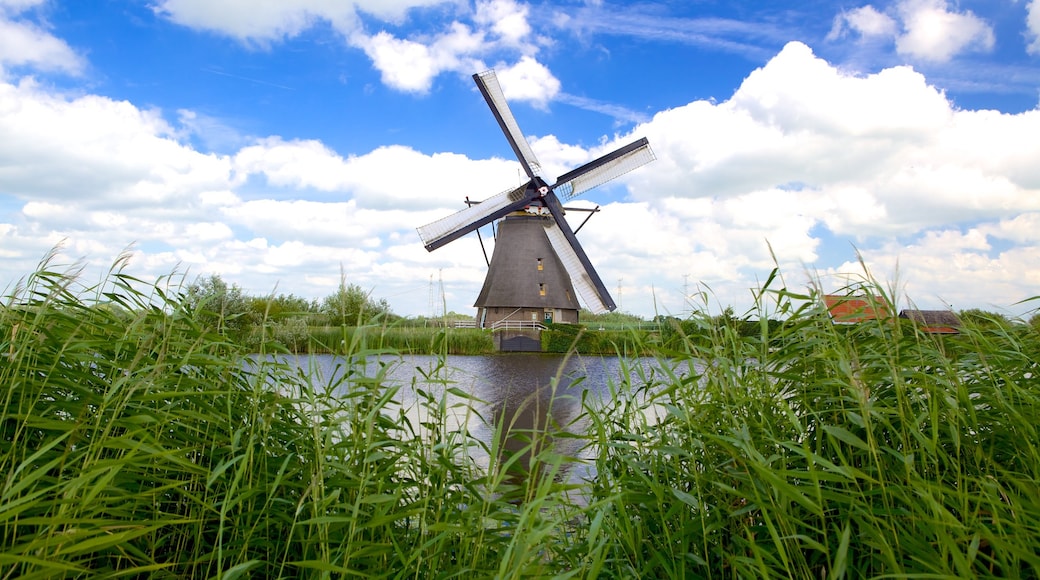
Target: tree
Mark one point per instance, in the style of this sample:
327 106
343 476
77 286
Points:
351 305
217 305
983 318
278 308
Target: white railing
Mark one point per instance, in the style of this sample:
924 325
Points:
503 324
517 325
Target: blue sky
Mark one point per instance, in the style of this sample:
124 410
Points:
278 144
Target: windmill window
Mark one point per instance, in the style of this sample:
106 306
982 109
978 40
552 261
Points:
541 289
539 264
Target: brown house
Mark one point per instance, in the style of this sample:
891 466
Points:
933 321
854 309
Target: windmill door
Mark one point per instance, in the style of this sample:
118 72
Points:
548 316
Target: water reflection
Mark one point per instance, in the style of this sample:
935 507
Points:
525 403
533 401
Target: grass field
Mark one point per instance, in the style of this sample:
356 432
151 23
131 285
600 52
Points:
137 443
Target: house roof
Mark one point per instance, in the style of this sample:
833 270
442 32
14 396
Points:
853 309
933 320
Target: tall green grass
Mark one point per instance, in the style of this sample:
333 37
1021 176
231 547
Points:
136 443
813 450
401 339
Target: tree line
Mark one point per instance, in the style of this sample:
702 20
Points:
296 322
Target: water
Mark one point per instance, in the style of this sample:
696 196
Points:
516 394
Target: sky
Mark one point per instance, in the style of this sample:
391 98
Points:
286 146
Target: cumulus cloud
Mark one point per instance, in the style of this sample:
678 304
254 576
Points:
933 32
507 20
803 157
411 66
924 30
431 181
803 152
1033 27
865 21
99 176
870 155
25 43
265 21
408 64
528 80
59 147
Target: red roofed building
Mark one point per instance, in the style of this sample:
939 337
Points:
853 309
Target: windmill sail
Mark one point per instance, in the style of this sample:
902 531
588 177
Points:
487 82
583 276
532 275
460 223
583 280
602 170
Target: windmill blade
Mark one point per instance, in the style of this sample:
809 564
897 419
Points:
603 169
487 82
458 224
583 276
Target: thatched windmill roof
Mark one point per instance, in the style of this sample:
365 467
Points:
525 271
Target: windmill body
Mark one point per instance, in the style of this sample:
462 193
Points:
538 270
526 280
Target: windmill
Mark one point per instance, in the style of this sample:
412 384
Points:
537 263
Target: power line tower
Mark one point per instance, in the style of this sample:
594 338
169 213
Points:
687 307
443 300
431 306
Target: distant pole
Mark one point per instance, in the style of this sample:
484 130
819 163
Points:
619 302
444 301
431 306
686 293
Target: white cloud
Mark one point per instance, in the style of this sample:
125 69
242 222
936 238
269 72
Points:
259 21
1021 229
874 159
24 43
1033 27
18 5
507 20
803 156
949 268
865 21
408 64
53 146
528 80
924 30
411 66
371 179
934 33
888 145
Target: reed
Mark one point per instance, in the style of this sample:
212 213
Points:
810 450
136 442
391 336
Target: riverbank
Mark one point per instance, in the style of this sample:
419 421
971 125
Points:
406 339
137 443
